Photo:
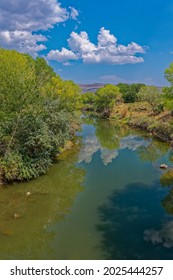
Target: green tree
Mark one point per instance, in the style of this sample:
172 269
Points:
88 100
106 98
129 91
169 74
153 96
68 92
168 91
34 121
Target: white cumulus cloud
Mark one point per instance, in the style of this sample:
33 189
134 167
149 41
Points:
107 50
32 15
62 56
23 41
80 43
105 38
20 18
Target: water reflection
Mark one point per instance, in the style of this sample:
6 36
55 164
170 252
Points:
167 178
51 199
105 200
163 237
153 151
109 139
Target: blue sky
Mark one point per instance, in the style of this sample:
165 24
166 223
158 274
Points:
93 41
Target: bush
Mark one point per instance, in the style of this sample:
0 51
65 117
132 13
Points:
35 122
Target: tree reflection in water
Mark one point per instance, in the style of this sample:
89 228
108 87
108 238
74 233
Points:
52 196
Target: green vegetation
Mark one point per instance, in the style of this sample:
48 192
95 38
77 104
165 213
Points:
37 116
146 107
153 110
40 112
169 74
106 98
103 101
129 91
152 95
89 99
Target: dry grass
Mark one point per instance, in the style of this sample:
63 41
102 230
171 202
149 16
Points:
128 110
140 115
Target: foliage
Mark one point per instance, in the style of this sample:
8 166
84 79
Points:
34 121
169 74
106 98
88 100
168 91
153 96
162 130
129 91
68 92
168 97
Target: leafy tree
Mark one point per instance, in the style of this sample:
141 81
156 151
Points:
168 91
168 98
169 74
106 98
68 92
129 91
35 122
153 96
88 100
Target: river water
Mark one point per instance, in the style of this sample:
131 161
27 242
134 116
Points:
104 199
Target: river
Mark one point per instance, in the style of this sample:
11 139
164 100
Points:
107 198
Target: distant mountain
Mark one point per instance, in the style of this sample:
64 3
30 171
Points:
91 87
95 86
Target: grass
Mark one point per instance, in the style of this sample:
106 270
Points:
140 115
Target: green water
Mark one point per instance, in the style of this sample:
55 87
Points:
105 199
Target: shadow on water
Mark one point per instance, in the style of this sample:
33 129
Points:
133 225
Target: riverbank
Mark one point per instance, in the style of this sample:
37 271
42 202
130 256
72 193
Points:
140 115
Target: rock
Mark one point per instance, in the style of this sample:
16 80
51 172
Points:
28 194
17 216
163 166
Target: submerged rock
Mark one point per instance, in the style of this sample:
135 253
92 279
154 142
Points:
28 194
17 216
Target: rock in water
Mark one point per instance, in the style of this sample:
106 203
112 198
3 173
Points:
17 216
163 166
28 194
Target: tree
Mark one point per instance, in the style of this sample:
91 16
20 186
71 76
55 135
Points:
34 121
153 96
106 98
129 91
88 100
168 91
168 98
68 92
169 74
